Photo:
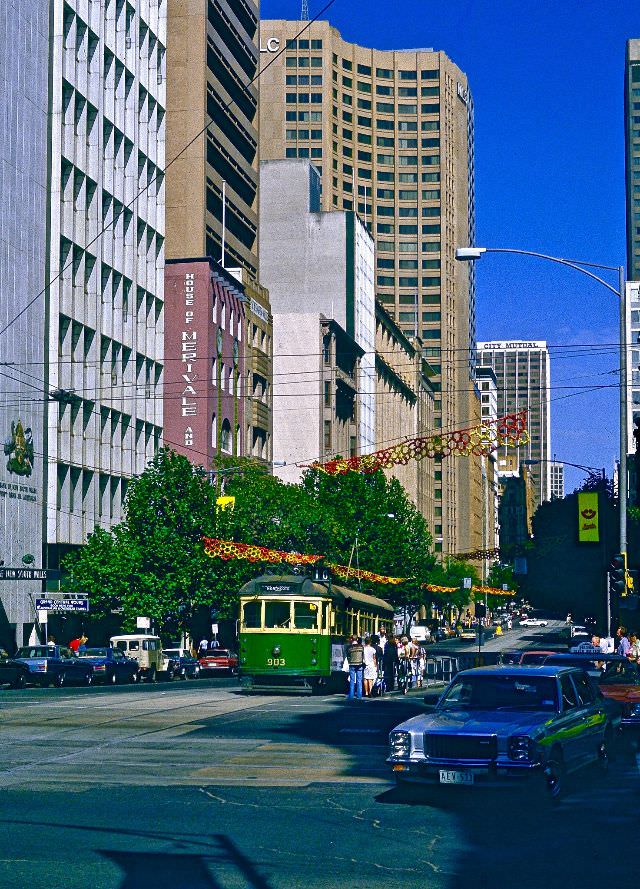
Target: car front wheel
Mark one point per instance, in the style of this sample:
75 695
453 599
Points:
19 681
555 776
59 680
88 680
134 678
113 679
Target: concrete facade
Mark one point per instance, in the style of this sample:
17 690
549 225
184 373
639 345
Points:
105 305
523 374
405 408
212 55
204 361
314 261
24 40
391 134
632 151
315 385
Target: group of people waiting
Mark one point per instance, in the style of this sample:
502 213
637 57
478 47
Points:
377 662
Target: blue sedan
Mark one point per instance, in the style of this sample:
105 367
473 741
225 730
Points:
499 725
110 665
52 665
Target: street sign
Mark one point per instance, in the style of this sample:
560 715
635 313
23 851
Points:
466 583
81 605
143 623
29 574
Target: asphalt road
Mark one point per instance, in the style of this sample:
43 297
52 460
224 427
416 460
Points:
199 786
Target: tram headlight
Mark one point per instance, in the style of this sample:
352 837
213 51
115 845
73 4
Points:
276 650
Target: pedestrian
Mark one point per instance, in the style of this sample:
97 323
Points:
355 661
377 644
382 638
370 667
634 651
390 663
51 641
83 643
202 647
74 645
421 663
624 646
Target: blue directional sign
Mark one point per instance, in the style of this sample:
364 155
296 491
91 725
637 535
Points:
81 605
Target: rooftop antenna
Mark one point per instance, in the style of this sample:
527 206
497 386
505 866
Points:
304 17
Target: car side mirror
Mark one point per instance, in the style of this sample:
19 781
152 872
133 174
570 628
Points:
431 699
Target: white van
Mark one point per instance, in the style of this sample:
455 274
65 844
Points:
147 651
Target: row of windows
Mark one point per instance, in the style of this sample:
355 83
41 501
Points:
407 264
304 44
303 98
304 80
303 62
411 194
304 116
303 152
387 281
304 134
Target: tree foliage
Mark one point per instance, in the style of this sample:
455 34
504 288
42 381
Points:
154 563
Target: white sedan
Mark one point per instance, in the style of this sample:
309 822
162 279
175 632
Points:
533 622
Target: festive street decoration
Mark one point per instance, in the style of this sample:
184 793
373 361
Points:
228 549
479 555
482 590
347 573
509 431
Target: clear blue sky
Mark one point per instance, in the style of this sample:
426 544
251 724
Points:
547 81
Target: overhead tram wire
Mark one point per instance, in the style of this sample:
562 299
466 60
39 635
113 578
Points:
162 172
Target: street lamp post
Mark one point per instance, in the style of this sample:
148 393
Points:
471 254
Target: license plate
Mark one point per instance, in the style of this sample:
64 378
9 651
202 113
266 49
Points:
447 777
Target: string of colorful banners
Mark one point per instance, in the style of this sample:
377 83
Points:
483 590
347 573
509 431
228 549
479 555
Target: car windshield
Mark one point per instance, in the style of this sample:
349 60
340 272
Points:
217 652
35 651
92 652
171 652
501 692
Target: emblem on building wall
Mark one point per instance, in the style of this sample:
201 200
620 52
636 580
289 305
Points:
19 449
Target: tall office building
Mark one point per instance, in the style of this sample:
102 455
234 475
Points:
523 376
83 85
212 55
24 42
557 480
391 134
632 139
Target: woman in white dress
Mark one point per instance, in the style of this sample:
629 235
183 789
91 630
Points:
370 667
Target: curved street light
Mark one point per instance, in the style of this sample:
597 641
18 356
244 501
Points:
471 254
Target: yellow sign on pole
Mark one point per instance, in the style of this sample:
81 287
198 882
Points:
225 502
588 529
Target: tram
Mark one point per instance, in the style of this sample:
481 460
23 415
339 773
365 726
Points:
293 631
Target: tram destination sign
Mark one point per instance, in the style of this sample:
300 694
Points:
62 605
279 587
29 574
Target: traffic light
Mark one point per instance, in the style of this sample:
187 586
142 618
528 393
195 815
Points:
617 575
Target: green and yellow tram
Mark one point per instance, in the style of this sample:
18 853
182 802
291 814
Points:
293 630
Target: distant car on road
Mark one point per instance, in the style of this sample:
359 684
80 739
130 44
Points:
146 649
52 665
186 666
110 665
534 622
505 724
219 660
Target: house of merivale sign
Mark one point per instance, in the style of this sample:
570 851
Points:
189 345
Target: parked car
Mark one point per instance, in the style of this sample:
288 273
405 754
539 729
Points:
52 665
503 724
12 672
110 665
186 666
219 660
534 657
534 622
146 649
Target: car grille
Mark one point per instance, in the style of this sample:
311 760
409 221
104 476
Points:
477 747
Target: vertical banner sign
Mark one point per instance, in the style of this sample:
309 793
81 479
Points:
588 531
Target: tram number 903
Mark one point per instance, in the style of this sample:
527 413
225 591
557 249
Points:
276 662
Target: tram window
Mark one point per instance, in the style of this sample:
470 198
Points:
277 614
251 614
305 615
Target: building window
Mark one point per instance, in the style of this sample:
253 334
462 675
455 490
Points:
327 435
384 72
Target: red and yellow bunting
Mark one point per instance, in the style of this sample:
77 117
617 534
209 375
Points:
509 431
347 573
482 590
228 549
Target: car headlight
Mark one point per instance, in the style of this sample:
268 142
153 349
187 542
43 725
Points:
521 748
400 743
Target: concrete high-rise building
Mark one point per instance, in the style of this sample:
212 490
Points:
522 372
488 385
83 129
633 362
557 480
391 134
24 44
632 140
314 261
212 55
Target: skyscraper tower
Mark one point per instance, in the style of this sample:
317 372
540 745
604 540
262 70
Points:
391 133
632 145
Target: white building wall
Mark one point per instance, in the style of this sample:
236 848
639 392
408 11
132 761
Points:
106 303
633 361
365 333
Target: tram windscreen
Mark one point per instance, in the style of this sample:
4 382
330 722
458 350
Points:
305 615
251 615
277 614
